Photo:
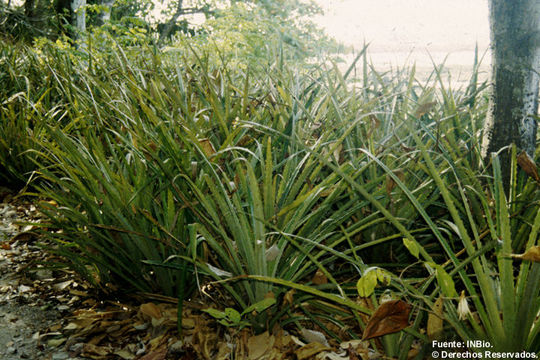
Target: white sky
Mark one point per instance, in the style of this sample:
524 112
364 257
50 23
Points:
404 25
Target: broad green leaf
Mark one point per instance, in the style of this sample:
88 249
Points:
260 306
383 276
372 276
412 246
233 315
215 313
366 284
445 281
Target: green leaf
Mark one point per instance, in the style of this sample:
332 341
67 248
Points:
233 315
215 313
372 276
367 283
260 306
412 246
383 276
445 281
226 322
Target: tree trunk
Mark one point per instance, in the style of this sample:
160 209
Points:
166 31
515 41
29 6
78 7
105 15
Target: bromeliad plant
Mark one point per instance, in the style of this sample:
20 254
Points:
113 214
504 299
257 181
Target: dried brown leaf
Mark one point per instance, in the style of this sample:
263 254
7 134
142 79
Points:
160 354
95 352
528 165
259 345
532 254
390 317
207 147
310 350
124 354
312 336
288 298
151 309
319 278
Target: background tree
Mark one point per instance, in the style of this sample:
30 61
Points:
515 37
27 20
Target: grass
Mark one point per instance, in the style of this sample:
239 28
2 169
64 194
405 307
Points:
171 174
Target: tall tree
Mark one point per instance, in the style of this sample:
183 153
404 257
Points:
78 7
105 14
515 39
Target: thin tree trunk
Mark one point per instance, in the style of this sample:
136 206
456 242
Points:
78 10
29 6
170 24
105 15
79 14
515 41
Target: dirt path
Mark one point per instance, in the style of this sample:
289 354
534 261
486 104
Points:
26 312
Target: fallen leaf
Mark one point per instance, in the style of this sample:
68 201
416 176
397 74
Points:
156 355
224 351
435 320
288 298
319 278
352 353
71 326
156 343
390 317
62 285
23 237
55 342
310 350
354 343
207 147
532 254
259 345
124 354
94 351
312 336
528 165
151 310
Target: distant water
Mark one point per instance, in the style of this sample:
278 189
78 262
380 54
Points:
457 68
